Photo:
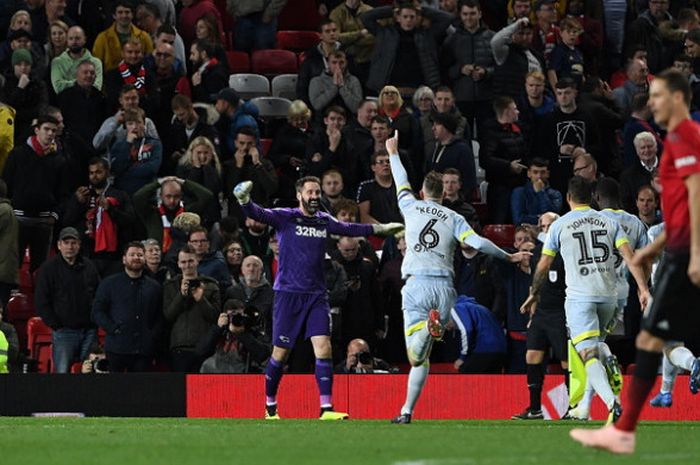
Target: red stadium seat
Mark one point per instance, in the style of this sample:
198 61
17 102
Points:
39 344
20 309
273 62
297 41
265 144
501 234
238 62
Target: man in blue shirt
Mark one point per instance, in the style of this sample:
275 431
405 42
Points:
529 202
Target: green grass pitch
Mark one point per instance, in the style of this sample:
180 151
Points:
135 441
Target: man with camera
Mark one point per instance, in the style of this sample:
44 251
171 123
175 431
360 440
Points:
238 343
191 304
253 289
359 359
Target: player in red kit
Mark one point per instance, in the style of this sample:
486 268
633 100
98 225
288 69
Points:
673 315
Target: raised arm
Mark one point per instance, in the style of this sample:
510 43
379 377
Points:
500 41
397 169
253 210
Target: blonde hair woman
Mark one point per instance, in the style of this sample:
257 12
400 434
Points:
201 164
288 149
21 20
57 41
402 120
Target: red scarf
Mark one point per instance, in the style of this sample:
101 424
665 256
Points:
511 127
36 146
105 232
392 116
138 81
212 62
167 239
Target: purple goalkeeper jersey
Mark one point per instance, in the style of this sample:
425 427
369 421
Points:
302 242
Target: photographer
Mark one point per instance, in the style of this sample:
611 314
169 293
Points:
248 164
237 343
96 362
254 290
359 359
191 303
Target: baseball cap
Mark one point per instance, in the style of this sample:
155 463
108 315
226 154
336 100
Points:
68 233
228 95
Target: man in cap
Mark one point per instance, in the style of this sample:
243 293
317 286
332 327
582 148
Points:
235 114
450 151
65 289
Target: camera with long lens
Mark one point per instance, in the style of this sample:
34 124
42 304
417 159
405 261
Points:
247 319
364 358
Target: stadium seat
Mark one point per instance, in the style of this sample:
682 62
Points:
273 62
39 343
265 144
238 62
297 41
20 309
501 234
249 85
285 85
272 107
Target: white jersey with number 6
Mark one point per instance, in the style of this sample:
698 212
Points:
587 241
432 233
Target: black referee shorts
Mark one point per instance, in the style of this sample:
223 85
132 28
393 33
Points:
674 314
548 330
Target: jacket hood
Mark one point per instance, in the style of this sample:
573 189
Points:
246 108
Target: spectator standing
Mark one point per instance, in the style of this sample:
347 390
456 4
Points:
377 197
455 200
546 32
503 155
25 91
648 206
82 104
336 86
471 64
636 83
191 303
65 289
191 11
515 58
288 149
256 23
566 60
234 114
391 106
536 103
103 216
34 175
642 172
211 263
130 71
639 121
210 75
201 165
128 306
406 52
108 44
451 151
9 237
353 35
645 30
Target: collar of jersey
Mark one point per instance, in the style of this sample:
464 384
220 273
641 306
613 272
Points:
613 210
582 207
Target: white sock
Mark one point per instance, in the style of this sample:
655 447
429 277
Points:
419 344
682 358
585 405
668 375
416 381
599 380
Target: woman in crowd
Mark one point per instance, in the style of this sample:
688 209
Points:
201 164
233 251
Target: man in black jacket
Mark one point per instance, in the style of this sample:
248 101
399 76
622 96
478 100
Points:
503 155
189 124
450 151
210 75
65 287
82 104
34 173
104 217
316 60
128 306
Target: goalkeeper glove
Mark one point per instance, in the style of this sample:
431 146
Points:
387 229
242 192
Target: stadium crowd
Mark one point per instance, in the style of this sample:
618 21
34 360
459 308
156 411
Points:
121 142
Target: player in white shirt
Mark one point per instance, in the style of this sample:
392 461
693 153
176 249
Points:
432 234
607 196
587 240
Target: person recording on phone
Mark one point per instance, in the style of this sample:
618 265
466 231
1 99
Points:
191 303
359 359
248 164
237 343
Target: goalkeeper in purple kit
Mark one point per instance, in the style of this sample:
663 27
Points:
301 301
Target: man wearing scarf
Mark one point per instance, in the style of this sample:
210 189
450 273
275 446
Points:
103 216
157 216
131 71
34 174
210 76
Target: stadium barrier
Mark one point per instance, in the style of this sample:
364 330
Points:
242 396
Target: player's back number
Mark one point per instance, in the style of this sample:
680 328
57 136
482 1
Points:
428 238
586 247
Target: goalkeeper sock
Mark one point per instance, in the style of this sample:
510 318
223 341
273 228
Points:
416 381
682 358
640 387
273 376
599 381
324 380
535 378
668 375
